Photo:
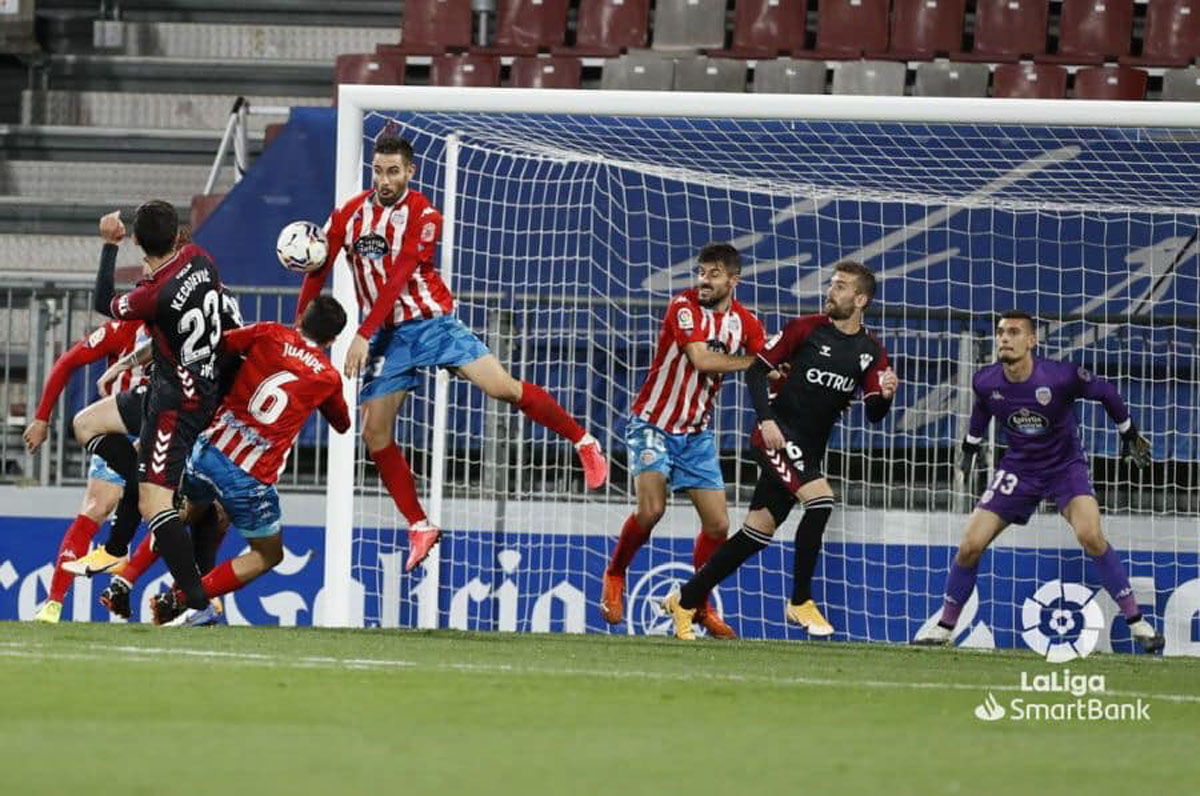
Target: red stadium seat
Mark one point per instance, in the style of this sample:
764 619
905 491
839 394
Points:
432 27
925 29
523 27
1008 30
554 72
465 70
1091 31
765 29
1110 83
1172 36
849 28
375 70
610 27
1029 81
271 132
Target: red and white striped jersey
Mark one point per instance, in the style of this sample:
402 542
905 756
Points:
390 252
677 397
283 379
112 341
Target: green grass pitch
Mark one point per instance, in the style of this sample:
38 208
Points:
134 709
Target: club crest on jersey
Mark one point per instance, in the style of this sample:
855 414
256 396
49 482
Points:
373 247
648 457
864 361
1028 423
428 232
1043 396
996 396
685 320
825 352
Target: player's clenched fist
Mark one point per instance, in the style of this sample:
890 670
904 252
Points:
112 229
888 382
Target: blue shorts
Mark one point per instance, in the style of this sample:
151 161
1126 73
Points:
689 461
252 506
100 471
396 353
1014 494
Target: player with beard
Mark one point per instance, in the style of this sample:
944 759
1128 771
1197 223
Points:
827 358
706 333
1034 399
389 234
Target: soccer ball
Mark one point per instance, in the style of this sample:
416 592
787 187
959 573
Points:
301 247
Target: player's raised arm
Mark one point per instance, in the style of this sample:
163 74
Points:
112 231
335 237
1134 447
879 387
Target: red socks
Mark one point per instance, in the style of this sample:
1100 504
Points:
142 559
221 580
74 545
398 478
705 547
632 539
539 407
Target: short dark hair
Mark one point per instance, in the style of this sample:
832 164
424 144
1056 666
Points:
863 275
729 257
323 320
1018 315
155 225
391 145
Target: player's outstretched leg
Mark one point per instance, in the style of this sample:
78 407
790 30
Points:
802 608
982 528
489 375
379 424
1083 513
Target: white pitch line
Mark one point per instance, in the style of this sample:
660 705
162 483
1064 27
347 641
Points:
132 654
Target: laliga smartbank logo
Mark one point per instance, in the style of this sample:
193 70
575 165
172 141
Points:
1061 696
1062 621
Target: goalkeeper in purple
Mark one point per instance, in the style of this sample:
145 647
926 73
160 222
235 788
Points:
1034 399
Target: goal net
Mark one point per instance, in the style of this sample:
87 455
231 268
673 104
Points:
567 233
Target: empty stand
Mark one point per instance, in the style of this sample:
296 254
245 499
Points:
700 73
1092 31
639 71
1172 34
789 76
432 27
610 27
875 78
1181 85
1009 30
689 25
555 72
1110 83
849 28
949 79
924 29
465 70
766 28
524 27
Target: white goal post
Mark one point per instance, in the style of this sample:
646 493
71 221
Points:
340 602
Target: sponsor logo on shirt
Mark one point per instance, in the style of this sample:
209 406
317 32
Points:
825 352
96 337
1043 395
1028 423
834 381
372 247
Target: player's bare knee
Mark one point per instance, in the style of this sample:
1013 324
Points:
376 435
1091 539
82 427
508 390
269 549
98 508
969 552
716 530
649 513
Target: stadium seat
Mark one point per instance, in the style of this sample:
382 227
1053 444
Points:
1181 85
1092 31
849 28
465 70
1029 81
432 27
874 78
1008 30
765 29
375 70
271 132
641 71
949 79
555 72
523 27
1172 34
788 76
1110 83
689 25
610 27
700 73
924 29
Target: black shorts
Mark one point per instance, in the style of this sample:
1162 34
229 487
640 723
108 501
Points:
793 465
131 405
169 430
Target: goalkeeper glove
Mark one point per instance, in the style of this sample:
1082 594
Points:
966 460
1135 448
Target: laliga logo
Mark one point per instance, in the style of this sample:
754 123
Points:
643 614
1066 609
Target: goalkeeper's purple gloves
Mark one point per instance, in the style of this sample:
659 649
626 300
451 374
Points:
1135 449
